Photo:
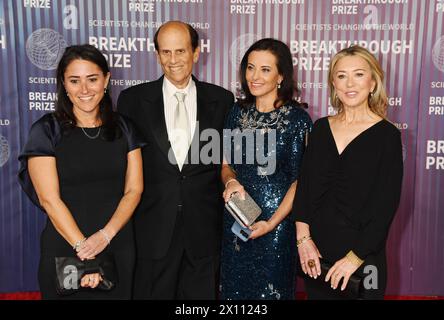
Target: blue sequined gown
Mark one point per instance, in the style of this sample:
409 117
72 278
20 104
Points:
263 268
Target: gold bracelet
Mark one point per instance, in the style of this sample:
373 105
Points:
302 240
353 258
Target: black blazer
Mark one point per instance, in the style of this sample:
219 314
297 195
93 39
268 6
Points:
196 189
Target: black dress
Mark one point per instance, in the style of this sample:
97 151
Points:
91 176
349 199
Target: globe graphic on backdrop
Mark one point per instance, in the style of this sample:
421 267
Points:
4 151
438 54
240 46
45 47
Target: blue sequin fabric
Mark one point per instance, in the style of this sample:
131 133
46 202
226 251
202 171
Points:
263 268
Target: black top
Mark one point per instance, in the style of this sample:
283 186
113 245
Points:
349 199
91 175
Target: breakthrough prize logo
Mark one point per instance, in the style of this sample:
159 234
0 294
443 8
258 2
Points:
438 54
4 151
240 46
45 48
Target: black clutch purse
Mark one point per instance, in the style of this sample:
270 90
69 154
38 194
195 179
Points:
70 271
352 291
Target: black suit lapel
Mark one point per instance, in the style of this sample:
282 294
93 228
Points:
206 107
155 115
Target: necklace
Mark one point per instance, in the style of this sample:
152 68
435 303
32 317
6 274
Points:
91 137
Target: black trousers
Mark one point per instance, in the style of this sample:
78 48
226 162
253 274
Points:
178 275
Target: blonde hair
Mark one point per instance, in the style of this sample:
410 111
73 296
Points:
377 100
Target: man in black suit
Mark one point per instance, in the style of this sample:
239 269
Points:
178 222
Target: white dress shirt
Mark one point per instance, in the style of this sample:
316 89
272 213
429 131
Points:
170 103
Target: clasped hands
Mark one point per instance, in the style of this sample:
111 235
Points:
309 257
89 249
258 228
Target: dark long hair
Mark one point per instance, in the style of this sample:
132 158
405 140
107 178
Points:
284 63
64 107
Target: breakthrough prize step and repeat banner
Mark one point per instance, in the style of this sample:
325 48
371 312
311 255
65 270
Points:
405 35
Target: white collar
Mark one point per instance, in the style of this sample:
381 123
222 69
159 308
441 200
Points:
170 89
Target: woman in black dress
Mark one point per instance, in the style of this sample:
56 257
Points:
350 182
82 165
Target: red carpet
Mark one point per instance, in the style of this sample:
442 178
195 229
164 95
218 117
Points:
20 296
299 296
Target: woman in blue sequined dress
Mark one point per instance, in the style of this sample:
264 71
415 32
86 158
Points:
264 266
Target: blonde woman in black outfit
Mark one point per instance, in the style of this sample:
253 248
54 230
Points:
350 182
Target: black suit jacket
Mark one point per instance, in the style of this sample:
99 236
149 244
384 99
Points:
196 189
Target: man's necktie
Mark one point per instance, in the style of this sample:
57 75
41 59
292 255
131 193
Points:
181 135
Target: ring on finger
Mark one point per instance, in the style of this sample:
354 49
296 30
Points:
311 263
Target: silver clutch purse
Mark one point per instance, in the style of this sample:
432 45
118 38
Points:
245 212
